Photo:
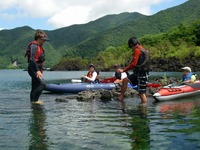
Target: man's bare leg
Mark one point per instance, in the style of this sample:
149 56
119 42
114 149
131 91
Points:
143 98
123 89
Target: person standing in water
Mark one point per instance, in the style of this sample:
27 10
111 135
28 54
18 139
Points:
141 64
36 58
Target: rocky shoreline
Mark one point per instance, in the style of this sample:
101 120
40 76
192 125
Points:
174 64
103 95
157 65
107 95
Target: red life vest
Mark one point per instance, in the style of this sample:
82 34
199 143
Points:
40 52
89 75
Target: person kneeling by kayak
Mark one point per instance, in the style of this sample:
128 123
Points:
92 76
118 75
188 76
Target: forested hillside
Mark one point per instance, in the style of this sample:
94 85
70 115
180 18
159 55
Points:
170 50
100 40
13 42
154 24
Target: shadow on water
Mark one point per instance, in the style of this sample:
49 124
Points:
37 128
140 126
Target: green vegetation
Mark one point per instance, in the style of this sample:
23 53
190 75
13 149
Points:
177 43
167 34
155 24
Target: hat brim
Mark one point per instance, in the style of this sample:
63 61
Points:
45 39
185 69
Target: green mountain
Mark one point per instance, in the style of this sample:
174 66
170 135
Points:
76 34
87 40
13 42
154 24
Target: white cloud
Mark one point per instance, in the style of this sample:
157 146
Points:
60 13
69 16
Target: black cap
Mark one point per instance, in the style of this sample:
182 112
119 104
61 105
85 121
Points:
91 65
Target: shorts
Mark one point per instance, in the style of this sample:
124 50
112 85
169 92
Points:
139 79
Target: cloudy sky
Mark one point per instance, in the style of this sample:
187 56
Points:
53 14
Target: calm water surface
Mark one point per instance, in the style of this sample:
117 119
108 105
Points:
92 125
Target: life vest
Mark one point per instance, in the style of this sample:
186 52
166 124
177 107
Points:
187 77
143 63
90 74
40 54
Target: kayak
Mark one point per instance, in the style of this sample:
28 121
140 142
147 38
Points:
78 87
112 79
109 80
171 93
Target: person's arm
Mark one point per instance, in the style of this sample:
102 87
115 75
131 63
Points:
94 75
192 79
118 81
134 61
124 75
33 50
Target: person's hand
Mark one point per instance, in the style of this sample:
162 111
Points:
83 77
121 70
39 74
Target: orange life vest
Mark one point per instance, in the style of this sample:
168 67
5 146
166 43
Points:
89 75
39 56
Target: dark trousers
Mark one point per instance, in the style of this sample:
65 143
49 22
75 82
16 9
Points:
37 84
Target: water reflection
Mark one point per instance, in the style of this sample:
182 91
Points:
180 120
140 126
37 128
181 107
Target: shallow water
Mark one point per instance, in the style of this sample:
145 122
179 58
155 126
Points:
94 124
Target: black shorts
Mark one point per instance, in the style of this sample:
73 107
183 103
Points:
139 79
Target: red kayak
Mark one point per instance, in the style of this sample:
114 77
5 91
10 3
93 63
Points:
108 80
112 79
171 93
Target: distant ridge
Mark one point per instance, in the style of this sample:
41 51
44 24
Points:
89 39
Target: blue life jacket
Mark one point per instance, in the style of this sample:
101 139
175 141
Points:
187 77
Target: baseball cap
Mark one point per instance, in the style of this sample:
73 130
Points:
187 69
42 35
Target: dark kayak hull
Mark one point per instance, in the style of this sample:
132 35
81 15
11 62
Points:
77 87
